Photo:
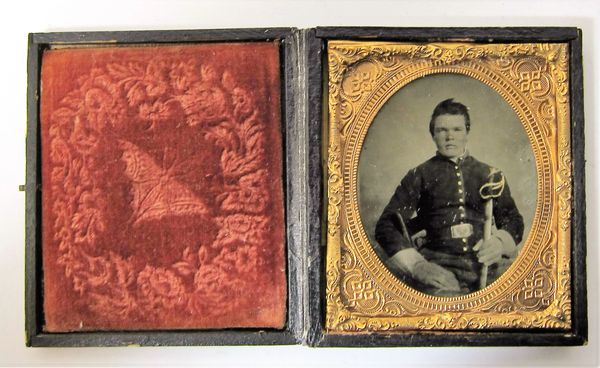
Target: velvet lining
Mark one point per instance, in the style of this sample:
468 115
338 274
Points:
162 193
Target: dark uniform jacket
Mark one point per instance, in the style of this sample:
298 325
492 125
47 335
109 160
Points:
437 195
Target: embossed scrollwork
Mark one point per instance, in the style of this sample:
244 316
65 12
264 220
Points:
362 296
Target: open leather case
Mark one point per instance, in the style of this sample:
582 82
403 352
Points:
226 187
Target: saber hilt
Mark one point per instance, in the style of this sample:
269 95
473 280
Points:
488 191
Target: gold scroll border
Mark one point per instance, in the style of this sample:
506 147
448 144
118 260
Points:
540 237
542 216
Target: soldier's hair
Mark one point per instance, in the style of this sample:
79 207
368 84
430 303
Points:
452 108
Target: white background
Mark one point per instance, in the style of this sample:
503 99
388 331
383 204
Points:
19 18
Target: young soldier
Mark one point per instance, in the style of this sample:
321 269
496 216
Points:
442 197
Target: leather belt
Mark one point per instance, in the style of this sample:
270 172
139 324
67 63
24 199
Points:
457 231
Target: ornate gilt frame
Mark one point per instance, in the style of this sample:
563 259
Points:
362 296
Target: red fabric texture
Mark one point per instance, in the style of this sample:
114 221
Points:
162 194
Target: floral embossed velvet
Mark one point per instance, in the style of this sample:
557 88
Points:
162 197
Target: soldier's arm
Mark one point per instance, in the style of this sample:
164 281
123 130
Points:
388 231
509 222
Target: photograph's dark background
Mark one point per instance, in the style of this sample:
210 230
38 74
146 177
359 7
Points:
19 18
399 140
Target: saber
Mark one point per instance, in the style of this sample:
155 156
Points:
488 191
406 235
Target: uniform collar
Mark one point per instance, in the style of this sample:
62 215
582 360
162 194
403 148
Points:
457 161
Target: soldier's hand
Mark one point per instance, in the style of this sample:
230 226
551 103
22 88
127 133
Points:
435 275
489 251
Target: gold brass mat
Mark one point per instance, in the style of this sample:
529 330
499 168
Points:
362 296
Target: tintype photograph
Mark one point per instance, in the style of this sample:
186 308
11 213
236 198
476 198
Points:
449 187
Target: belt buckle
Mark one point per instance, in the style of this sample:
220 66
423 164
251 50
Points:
461 230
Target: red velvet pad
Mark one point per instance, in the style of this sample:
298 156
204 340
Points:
162 188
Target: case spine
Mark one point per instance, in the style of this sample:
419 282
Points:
295 167
315 249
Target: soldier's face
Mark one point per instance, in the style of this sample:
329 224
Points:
450 135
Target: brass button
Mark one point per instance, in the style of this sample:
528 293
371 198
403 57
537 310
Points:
456 167
462 215
461 208
465 248
460 190
457 174
461 200
459 182
464 240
